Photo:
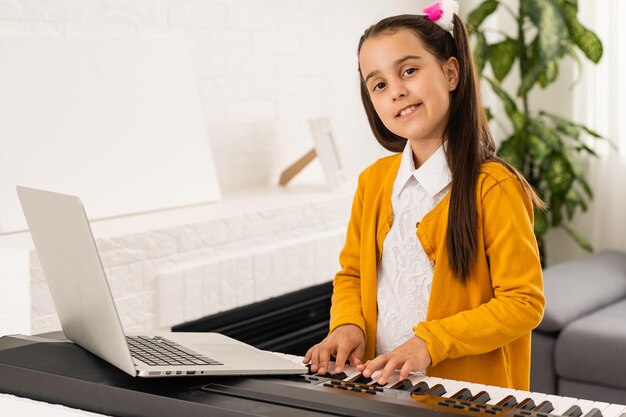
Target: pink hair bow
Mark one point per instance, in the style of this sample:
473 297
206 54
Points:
442 13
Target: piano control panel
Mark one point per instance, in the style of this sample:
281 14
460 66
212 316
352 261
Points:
349 393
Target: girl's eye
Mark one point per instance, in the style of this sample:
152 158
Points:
409 71
379 86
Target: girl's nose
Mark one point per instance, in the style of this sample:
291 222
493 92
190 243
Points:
399 93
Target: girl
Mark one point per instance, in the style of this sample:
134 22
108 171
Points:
440 270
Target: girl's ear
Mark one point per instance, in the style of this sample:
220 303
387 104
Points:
451 69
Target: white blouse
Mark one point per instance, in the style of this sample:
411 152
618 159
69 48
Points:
404 272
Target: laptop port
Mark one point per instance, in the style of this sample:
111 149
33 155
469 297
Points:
191 372
179 372
168 372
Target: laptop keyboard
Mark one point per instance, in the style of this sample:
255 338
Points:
159 351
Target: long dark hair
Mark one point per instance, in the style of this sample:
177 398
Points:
470 142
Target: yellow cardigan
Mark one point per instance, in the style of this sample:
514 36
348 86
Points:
479 332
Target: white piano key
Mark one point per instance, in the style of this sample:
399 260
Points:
417 378
452 387
350 372
499 394
433 380
614 410
560 404
331 368
476 388
587 405
537 397
393 379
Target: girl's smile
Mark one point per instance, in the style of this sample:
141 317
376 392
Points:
407 111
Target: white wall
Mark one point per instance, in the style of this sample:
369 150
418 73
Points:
263 66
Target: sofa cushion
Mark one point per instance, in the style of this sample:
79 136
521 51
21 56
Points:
576 288
594 392
542 378
592 349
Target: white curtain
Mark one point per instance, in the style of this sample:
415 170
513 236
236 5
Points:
600 103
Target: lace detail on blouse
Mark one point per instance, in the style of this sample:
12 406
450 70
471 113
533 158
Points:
404 271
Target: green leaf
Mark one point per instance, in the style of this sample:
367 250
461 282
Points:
555 209
537 147
572 202
562 120
481 53
558 174
568 130
517 118
586 40
488 113
549 74
501 56
513 150
581 200
524 6
583 147
578 238
541 223
546 134
551 26
529 79
585 186
479 14
591 132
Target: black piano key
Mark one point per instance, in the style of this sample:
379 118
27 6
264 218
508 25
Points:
402 385
526 404
543 407
326 375
594 412
509 401
463 394
339 376
573 411
360 379
436 390
480 398
419 388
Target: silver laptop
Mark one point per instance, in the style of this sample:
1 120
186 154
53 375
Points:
80 291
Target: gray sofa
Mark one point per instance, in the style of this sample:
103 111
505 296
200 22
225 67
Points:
579 349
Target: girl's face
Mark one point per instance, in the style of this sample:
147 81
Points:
409 87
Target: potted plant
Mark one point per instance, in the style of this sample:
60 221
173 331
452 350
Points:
545 147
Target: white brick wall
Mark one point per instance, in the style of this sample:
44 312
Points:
167 275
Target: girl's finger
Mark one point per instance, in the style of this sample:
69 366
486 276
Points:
392 364
407 368
375 364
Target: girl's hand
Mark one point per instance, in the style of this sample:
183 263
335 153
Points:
345 342
412 355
